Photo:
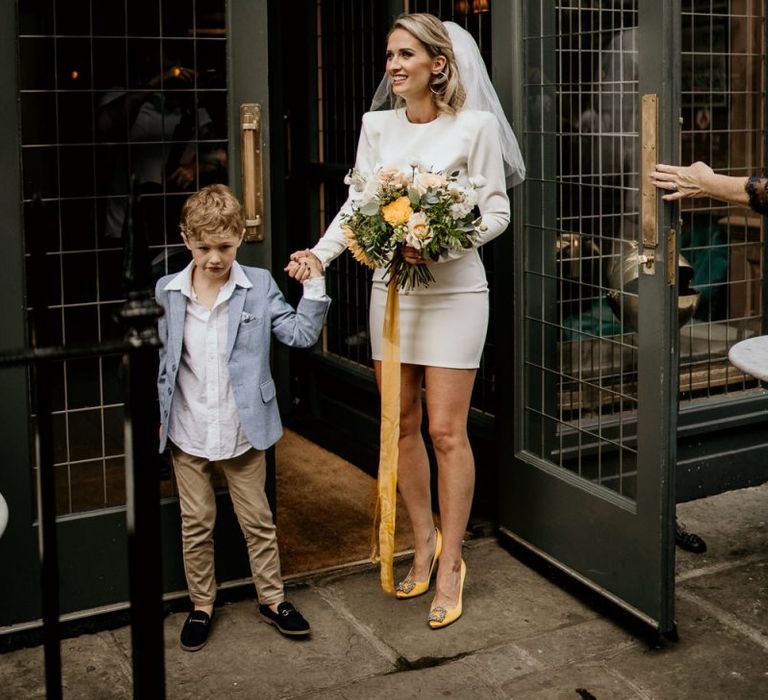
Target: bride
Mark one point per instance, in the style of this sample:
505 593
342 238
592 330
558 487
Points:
445 116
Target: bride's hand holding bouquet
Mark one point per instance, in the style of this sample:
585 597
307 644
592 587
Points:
401 221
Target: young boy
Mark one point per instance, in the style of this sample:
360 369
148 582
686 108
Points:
218 401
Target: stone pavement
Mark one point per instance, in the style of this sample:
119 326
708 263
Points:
522 636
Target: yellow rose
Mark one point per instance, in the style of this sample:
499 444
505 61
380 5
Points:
398 212
358 253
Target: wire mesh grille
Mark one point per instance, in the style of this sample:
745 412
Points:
582 150
582 141
107 90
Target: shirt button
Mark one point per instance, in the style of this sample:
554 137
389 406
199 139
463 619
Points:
170 391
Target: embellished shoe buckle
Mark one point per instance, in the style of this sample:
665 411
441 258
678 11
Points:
437 614
406 586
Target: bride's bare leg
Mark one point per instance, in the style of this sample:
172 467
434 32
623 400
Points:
449 392
413 467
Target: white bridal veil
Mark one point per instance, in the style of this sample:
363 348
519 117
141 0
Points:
481 95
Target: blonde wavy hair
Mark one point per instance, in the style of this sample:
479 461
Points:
214 210
447 90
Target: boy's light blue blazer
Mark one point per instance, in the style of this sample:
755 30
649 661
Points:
254 314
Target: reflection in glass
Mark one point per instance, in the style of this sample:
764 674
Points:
73 64
581 353
110 91
581 263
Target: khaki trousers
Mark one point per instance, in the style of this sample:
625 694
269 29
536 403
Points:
246 475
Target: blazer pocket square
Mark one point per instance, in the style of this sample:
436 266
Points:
245 317
268 391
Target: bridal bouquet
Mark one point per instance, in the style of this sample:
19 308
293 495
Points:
426 210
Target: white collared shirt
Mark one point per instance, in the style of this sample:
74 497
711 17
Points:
204 420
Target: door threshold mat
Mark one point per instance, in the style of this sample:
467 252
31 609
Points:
325 509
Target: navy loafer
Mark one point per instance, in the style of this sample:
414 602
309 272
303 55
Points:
194 633
287 619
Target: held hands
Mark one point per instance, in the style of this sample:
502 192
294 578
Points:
683 181
304 265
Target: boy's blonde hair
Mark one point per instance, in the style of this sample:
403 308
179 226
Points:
447 90
213 210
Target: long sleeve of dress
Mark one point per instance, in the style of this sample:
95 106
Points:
469 143
333 243
485 160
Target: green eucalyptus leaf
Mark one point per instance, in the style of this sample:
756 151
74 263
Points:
370 208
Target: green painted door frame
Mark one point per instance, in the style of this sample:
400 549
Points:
19 571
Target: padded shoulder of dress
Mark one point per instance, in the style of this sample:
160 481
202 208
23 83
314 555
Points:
475 117
376 120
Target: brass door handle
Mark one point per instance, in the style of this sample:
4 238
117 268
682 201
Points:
252 172
648 216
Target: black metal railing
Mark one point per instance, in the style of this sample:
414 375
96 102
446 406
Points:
138 348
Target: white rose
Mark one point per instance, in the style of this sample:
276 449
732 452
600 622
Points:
424 181
456 191
460 210
392 175
419 233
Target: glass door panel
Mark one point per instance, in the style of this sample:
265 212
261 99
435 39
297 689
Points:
107 94
596 319
581 260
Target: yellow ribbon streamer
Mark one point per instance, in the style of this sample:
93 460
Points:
384 519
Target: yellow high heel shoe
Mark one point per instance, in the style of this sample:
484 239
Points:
442 617
410 587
